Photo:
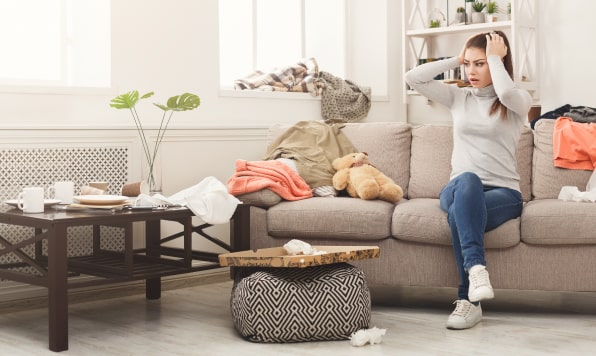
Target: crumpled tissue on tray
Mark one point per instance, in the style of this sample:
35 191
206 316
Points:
297 247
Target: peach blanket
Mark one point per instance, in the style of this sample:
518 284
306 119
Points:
252 176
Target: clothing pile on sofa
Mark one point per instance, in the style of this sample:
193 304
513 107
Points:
303 154
574 146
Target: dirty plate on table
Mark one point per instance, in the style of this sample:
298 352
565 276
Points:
101 199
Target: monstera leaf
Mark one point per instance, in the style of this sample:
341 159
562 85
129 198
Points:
128 100
182 102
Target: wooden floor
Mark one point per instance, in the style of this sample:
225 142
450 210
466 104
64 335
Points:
196 321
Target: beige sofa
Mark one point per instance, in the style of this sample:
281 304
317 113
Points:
552 246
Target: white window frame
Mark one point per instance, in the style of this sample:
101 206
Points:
64 84
228 90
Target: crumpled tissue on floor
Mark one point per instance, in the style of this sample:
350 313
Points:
367 336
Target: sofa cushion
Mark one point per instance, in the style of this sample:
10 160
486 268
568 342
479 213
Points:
430 164
547 180
430 161
387 145
263 198
558 222
343 218
422 220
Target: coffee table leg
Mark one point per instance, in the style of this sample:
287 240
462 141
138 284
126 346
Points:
57 289
152 239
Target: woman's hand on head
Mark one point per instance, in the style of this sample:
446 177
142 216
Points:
495 45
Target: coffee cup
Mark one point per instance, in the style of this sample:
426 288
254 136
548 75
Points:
63 191
134 189
30 200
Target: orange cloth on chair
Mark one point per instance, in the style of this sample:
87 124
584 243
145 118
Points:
274 175
574 144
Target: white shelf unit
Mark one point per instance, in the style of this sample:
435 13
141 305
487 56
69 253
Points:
420 41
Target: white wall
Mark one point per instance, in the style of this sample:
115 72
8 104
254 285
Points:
567 51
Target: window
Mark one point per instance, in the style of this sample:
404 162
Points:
341 35
55 43
267 34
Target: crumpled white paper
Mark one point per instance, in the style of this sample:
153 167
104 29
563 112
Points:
209 200
297 247
367 336
569 193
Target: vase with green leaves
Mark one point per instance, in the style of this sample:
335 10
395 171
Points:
183 102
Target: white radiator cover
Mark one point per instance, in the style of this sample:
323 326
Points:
41 167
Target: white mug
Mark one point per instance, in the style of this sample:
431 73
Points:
63 191
30 200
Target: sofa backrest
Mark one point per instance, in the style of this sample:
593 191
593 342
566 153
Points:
547 180
387 145
419 158
430 164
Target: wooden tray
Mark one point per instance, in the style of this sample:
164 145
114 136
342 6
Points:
277 256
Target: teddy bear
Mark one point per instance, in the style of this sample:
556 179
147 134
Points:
362 180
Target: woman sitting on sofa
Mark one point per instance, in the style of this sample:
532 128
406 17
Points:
483 191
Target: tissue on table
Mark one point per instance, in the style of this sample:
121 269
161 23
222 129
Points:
209 200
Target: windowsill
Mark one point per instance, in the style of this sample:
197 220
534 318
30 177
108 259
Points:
259 94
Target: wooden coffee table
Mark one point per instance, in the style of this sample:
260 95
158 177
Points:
150 263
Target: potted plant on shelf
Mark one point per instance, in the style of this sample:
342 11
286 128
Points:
460 15
181 102
492 10
477 14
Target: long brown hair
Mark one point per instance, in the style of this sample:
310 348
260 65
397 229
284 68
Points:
479 41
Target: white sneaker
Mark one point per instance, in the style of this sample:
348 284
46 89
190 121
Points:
464 316
480 288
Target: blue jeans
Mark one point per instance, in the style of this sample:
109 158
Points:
473 208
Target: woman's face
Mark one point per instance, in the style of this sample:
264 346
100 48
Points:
477 68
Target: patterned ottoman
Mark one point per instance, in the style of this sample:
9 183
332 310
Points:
327 302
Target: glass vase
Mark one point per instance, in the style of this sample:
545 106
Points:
152 174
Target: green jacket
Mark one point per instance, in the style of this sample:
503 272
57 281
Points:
313 145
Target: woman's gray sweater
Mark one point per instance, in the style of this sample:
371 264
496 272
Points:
483 144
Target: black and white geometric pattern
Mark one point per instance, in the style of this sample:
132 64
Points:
328 302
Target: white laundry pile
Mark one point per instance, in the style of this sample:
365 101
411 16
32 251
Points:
569 193
209 200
